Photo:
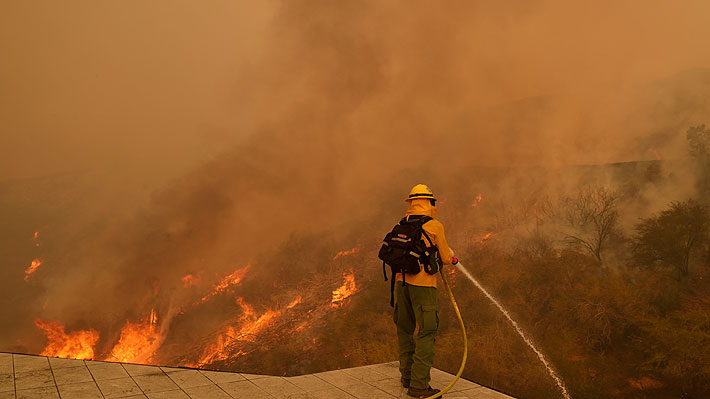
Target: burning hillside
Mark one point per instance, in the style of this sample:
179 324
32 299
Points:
240 328
318 300
225 211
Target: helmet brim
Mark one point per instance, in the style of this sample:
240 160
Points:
430 197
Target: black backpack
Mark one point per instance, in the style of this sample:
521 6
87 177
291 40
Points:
405 252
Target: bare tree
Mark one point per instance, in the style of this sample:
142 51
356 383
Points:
593 217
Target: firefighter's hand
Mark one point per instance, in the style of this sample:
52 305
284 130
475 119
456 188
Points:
454 260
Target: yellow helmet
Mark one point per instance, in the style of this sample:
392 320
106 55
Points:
420 191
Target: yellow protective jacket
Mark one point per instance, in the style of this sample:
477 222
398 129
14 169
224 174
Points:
435 230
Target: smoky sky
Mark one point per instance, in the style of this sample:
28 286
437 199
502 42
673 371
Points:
160 87
240 123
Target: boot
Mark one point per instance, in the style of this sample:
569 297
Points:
422 393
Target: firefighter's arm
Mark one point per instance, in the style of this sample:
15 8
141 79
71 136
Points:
440 242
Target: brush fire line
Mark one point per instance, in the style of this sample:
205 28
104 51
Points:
344 291
74 345
138 342
231 280
229 343
346 253
141 340
34 265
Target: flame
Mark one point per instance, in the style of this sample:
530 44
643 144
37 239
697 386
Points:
75 345
345 253
36 235
301 327
249 329
32 268
477 201
451 275
294 303
485 237
138 341
655 154
189 280
218 351
348 288
233 279
249 326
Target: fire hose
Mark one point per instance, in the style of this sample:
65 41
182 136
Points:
463 333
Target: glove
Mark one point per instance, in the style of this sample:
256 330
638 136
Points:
454 260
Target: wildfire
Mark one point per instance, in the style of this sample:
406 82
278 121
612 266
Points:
347 289
301 327
477 200
294 303
32 268
485 237
655 154
345 253
138 341
189 280
233 279
451 275
75 345
249 326
218 351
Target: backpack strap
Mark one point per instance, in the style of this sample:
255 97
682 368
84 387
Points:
431 244
392 290
423 220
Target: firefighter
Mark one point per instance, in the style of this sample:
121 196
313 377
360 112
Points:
417 302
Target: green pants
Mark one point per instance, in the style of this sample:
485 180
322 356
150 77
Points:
416 306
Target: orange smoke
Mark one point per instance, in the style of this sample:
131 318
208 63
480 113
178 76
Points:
345 253
477 200
347 289
75 345
138 341
32 268
233 279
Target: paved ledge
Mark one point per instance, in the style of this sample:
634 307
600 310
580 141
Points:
40 377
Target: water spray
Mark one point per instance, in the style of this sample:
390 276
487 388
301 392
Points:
500 307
